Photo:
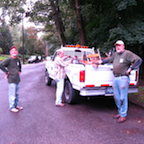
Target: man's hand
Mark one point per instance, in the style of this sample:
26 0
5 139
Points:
99 61
70 61
65 57
6 75
107 55
128 71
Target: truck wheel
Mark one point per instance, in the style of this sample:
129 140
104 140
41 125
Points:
70 94
48 80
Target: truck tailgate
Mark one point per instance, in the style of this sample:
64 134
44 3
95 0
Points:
98 76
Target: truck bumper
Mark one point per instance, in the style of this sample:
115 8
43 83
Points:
104 91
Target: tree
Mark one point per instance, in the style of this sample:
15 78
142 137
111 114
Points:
16 33
5 38
80 24
33 45
58 21
48 12
14 9
102 22
40 47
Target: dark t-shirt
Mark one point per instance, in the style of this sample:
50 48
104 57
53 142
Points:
13 66
121 62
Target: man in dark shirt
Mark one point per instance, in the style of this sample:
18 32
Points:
12 68
123 62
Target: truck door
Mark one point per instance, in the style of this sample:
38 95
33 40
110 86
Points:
51 66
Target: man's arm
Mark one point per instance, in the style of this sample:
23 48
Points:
134 66
64 63
137 64
19 66
105 61
3 68
65 57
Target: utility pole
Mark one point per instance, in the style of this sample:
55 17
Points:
23 16
46 50
23 38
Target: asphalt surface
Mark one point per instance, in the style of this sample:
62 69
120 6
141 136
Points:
41 122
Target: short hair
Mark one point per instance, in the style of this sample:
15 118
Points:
59 51
13 47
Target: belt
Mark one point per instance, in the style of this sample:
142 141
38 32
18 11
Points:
119 75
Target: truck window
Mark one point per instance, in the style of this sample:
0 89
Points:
69 53
78 53
89 53
73 53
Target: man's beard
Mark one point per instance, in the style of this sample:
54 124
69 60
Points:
119 51
14 54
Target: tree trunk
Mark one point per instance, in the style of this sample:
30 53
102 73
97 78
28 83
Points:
80 24
58 22
142 65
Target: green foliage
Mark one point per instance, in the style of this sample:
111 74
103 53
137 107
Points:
16 33
138 96
124 4
5 38
1 50
104 21
14 9
108 21
3 57
52 42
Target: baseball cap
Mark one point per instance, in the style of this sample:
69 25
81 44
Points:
119 42
13 47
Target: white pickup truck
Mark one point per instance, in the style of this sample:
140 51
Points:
84 79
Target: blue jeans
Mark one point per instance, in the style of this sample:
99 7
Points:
59 91
121 86
13 95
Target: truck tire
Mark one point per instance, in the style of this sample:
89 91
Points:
48 80
70 94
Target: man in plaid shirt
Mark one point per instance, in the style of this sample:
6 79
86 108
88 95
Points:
60 75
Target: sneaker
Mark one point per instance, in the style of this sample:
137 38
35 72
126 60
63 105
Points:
116 116
60 105
19 108
121 119
14 110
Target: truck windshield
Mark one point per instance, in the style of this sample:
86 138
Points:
81 55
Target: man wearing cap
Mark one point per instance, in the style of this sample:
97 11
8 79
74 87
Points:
12 68
123 62
60 64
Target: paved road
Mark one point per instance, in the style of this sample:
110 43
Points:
41 122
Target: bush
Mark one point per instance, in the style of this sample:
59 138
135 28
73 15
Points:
1 51
3 57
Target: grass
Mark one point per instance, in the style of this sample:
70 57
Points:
138 96
141 94
3 57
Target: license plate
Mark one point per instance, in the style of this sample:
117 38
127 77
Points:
109 90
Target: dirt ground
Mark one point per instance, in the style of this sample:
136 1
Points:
141 82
